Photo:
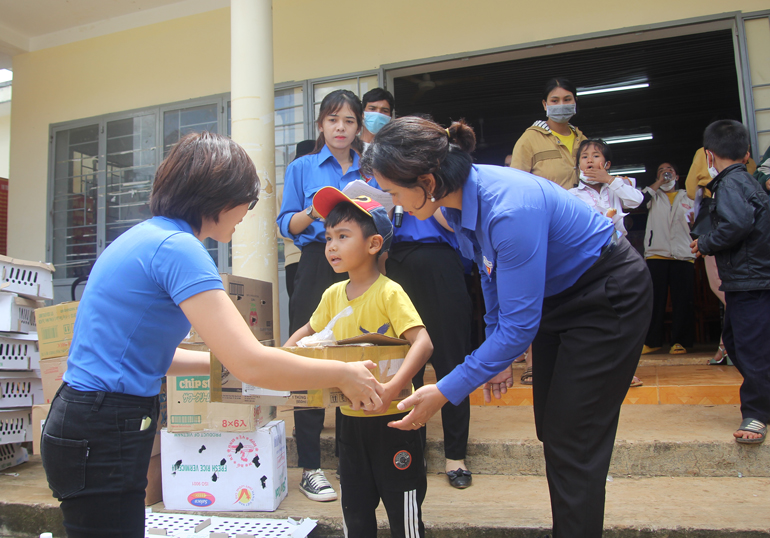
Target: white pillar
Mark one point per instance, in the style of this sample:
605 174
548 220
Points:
255 247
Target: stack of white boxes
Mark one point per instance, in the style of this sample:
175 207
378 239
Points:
24 286
224 456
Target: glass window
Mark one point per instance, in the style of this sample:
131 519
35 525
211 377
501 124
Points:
75 187
131 164
358 85
196 119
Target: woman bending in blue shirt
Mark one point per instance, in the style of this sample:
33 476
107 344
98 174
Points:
142 295
555 274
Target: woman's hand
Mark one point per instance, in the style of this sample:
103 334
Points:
360 387
498 385
427 401
598 174
389 392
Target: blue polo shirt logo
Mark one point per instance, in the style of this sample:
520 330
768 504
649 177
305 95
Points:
488 265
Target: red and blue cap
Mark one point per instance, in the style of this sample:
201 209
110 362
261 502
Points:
327 199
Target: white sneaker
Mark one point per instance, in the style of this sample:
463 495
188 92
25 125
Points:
317 488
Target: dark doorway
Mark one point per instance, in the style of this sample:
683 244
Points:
692 82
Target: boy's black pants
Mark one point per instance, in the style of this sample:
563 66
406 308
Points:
378 462
586 351
747 326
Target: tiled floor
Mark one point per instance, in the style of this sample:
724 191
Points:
688 384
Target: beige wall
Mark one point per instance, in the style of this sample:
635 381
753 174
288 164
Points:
189 57
5 143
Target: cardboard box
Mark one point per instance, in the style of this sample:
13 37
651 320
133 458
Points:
39 415
19 352
51 372
254 300
388 354
190 409
30 279
17 314
54 329
225 471
20 389
12 454
15 426
153 493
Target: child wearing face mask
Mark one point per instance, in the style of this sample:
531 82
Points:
671 264
605 193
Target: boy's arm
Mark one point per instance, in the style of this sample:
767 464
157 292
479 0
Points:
301 333
420 350
737 217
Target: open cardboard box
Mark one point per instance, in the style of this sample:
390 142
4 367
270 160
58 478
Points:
386 352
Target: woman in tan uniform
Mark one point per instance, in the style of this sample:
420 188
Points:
549 149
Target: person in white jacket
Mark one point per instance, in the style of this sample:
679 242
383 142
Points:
670 261
607 194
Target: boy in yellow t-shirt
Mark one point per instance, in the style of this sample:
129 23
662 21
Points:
376 462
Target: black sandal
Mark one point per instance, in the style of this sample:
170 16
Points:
526 377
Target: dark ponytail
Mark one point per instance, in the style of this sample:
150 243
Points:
409 147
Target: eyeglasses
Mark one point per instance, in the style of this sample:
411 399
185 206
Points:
253 203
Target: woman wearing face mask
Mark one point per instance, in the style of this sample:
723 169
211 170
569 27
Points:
670 261
549 148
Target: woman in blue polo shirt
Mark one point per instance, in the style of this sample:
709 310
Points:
143 294
554 273
333 163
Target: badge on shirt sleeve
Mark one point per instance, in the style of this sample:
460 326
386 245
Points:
488 266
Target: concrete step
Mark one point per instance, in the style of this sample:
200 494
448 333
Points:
494 507
652 441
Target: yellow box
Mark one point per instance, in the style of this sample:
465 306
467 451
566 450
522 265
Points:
54 329
388 354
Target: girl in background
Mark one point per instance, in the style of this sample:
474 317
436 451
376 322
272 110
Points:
333 163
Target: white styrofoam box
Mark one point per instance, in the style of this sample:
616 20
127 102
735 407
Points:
198 526
21 389
19 352
15 426
12 454
225 471
17 314
30 279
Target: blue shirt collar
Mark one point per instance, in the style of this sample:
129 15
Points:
467 217
470 200
325 154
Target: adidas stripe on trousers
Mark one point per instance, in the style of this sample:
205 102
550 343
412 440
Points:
381 463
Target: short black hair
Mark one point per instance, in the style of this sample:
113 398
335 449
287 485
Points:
727 139
559 82
203 175
674 166
599 144
379 94
349 212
